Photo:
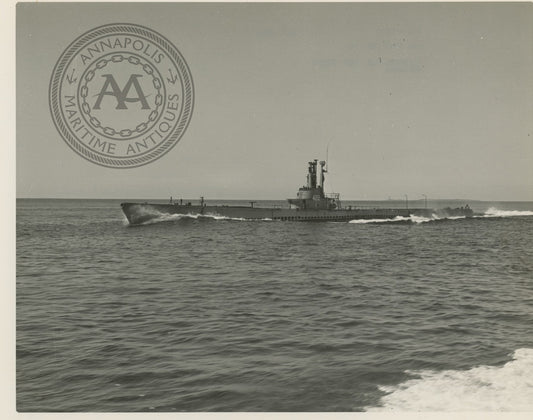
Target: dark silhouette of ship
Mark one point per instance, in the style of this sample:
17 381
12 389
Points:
310 204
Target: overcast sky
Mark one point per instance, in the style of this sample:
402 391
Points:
414 99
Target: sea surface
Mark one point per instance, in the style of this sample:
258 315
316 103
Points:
208 314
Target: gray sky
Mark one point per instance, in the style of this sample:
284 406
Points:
414 99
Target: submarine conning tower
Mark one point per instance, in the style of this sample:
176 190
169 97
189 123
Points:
313 176
311 196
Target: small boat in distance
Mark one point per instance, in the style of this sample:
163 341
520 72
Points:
310 204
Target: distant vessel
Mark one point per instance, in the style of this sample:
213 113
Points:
310 204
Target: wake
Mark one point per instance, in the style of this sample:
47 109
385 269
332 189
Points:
494 212
484 388
490 213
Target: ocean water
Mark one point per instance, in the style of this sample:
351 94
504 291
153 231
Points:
202 314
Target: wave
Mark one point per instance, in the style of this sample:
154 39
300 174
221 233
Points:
410 219
165 217
396 219
484 388
494 212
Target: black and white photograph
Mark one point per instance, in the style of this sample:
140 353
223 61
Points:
268 208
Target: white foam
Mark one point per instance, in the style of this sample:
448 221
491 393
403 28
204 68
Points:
218 217
483 388
422 219
494 212
396 219
165 217
159 217
412 218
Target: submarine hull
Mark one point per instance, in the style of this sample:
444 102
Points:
139 213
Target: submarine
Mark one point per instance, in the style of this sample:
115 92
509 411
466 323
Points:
310 205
